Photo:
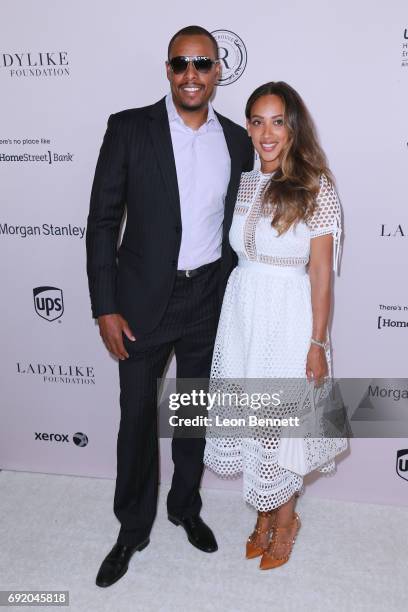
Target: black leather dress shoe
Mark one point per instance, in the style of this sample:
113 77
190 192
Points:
198 533
116 563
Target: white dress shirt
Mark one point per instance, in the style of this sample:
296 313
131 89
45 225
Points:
203 167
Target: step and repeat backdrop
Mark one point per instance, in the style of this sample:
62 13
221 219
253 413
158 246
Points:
64 68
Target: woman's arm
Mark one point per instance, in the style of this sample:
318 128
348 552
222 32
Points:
320 271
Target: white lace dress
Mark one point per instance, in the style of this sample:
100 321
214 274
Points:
265 328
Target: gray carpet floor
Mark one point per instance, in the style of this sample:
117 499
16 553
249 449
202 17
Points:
55 531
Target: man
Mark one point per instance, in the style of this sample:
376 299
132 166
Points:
175 168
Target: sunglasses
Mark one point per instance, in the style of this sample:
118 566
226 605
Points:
201 63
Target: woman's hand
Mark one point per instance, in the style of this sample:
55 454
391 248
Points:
316 365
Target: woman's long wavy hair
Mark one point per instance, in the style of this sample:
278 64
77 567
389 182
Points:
291 193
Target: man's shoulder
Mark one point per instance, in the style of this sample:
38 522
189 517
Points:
130 115
231 125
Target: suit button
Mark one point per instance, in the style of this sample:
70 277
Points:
178 229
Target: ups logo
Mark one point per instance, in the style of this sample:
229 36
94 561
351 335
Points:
48 302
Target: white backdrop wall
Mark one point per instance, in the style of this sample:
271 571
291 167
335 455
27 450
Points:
349 60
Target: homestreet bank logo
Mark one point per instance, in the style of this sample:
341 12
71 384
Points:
387 322
46 229
49 157
232 54
404 55
396 320
48 302
58 373
35 64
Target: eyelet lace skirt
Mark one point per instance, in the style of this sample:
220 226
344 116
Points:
264 333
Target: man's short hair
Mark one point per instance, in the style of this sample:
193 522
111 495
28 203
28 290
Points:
193 30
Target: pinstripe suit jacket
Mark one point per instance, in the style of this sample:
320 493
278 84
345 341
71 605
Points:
136 174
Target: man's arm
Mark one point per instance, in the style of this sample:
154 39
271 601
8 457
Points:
249 155
105 215
104 219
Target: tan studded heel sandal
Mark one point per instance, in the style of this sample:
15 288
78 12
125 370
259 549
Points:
283 537
259 539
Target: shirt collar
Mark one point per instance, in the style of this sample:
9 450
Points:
174 116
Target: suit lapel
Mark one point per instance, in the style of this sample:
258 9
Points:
236 168
161 139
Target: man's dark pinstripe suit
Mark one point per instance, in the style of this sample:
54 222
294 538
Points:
136 172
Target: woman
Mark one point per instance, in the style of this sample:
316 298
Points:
275 312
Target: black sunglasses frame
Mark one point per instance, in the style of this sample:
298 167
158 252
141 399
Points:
195 59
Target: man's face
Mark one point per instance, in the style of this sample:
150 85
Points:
192 90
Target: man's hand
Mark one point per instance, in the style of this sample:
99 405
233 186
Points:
111 327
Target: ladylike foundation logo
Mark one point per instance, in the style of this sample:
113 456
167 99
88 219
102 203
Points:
35 64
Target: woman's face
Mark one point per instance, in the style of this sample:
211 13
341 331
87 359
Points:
266 126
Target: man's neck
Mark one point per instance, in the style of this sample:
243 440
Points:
193 118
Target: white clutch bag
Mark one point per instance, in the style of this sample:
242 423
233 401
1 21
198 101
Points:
310 446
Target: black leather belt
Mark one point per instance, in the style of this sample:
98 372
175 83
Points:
196 271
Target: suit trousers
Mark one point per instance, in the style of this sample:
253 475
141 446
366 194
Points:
189 327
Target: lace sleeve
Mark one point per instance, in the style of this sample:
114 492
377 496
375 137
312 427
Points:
327 217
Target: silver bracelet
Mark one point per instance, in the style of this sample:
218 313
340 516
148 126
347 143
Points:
321 344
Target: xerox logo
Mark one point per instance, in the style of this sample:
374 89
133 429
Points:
80 439
51 437
48 302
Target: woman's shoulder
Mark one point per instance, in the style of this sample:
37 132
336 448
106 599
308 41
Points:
327 211
248 185
326 184
249 180
327 195
251 174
